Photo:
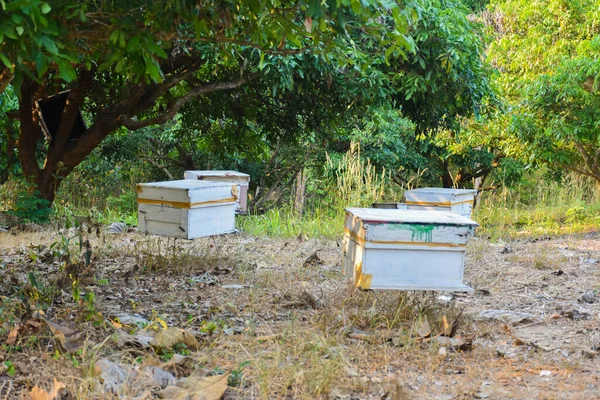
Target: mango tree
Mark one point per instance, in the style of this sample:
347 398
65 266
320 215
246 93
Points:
135 63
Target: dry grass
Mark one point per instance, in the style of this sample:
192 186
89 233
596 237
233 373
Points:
280 344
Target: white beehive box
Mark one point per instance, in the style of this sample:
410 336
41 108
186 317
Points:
240 179
459 201
406 249
186 209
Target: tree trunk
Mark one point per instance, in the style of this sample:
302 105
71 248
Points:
447 181
300 192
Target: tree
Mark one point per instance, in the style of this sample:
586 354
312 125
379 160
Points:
405 110
445 81
136 63
547 52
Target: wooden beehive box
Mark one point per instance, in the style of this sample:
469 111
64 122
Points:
406 249
240 179
459 201
186 208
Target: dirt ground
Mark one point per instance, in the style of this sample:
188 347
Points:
281 321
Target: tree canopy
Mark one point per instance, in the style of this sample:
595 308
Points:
136 63
547 55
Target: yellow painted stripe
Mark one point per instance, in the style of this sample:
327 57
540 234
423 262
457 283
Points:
437 203
178 204
361 241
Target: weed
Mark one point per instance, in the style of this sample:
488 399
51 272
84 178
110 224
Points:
9 368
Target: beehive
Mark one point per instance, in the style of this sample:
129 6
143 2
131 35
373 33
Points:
186 208
240 179
459 201
406 249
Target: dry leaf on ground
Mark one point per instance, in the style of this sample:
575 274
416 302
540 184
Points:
12 335
173 336
38 393
119 377
197 388
69 340
139 340
179 365
424 330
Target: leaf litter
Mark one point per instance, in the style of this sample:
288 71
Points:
181 342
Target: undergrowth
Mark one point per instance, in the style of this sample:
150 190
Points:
538 206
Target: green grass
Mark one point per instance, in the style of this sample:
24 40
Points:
547 209
285 223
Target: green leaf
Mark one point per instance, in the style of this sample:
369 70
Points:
49 45
19 30
45 8
6 61
41 64
114 36
156 49
133 44
66 70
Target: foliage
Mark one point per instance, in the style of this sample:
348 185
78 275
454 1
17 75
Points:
136 64
8 133
27 205
547 52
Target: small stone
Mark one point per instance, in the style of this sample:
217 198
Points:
574 314
587 297
506 249
442 351
481 395
545 373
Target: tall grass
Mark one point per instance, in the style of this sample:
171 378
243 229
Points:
351 181
539 207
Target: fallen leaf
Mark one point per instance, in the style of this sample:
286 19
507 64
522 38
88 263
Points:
35 323
112 375
173 336
446 327
12 335
358 334
197 388
450 342
139 341
424 330
69 340
400 393
179 365
116 376
38 393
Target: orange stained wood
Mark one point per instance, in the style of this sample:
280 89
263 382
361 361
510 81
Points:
179 204
363 281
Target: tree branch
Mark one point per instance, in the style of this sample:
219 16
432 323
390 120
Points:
590 162
132 124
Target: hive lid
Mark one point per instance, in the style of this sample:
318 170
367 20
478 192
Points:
185 184
217 173
443 191
379 215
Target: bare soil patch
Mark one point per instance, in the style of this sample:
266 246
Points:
278 320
